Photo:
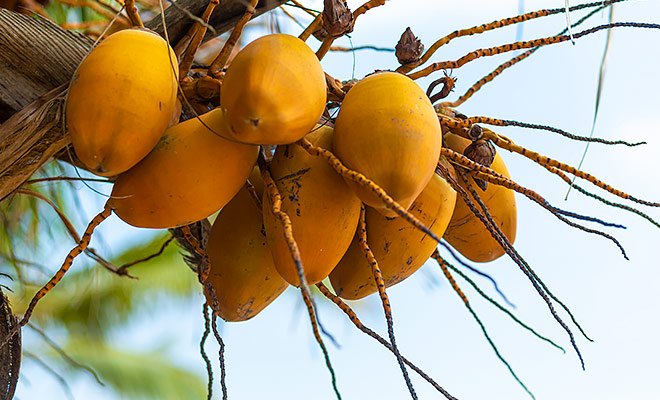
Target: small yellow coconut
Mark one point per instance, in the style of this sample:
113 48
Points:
388 130
242 272
466 233
324 211
121 100
192 173
274 91
400 248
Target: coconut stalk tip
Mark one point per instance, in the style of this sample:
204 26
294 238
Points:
337 18
409 48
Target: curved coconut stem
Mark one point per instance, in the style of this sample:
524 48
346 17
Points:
123 270
132 13
68 261
491 300
366 183
495 25
335 89
495 231
508 144
196 245
276 208
202 351
486 174
325 47
311 28
197 32
532 195
466 123
327 42
448 82
523 45
568 180
380 284
456 126
358 324
488 78
221 354
221 60
443 265
72 231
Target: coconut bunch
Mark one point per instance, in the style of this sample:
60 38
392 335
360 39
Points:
376 162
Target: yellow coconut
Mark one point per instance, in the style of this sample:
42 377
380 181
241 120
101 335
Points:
242 272
324 212
399 248
388 130
121 100
274 91
466 233
189 175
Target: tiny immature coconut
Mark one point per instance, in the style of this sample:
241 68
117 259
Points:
324 211
242 272
121 100
466 233
274 91
400 248
387 130
190 174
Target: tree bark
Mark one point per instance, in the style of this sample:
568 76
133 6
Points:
225 16
36 56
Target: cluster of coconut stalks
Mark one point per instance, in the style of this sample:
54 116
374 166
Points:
461 169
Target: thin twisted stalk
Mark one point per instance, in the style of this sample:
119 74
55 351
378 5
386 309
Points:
380 284
367 183
505 143
327 42
202 351
276 204
480 83
358 324
467 123
496 25
197 246
539 286
221 60
198 31
443 265
131 12
522 45
68 261
491 176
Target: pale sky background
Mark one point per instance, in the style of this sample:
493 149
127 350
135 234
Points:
274 355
